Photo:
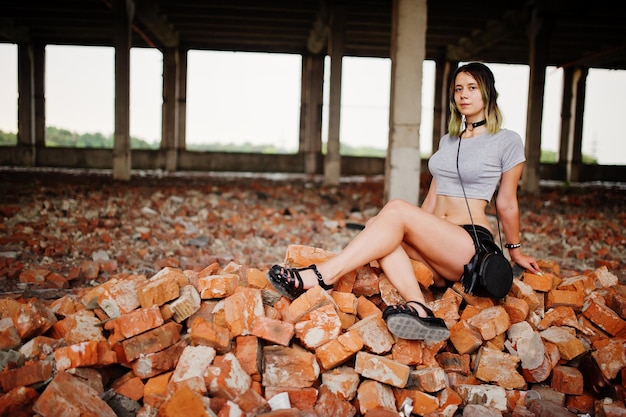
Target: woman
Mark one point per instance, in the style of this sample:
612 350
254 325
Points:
439 233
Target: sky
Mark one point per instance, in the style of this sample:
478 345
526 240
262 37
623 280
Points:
235 97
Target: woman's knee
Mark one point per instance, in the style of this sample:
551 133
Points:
397 207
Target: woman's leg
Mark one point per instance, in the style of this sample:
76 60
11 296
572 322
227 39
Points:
444 246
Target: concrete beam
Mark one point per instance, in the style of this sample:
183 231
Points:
148 14
15 34
511 23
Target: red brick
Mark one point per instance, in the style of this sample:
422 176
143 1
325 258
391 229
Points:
374 333
382 369
491 322
312 299
121 296
299 398
346 301
272 330
39 347
241 309
68 396
226 378
602 316
516 308
151 341
367 308
217 286
133 323
542 282
580 404
187 303
78 327
573 299
160 288
18 402
465 337
611 358
84 354
549 409
129 386
183 402
498 367
567 342
567 379
289 367
155 390
408 352
339 350
35 277
454 362
373 395
153 364
428 379
248 353
323 325
330 404
342 381
33 319
28 374
423 403
9 336
207 333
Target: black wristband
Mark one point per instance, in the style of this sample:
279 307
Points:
512 245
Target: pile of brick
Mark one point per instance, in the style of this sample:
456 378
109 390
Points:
221 342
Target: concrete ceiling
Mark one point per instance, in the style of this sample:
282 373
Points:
584 33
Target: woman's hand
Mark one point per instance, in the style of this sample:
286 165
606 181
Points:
527 262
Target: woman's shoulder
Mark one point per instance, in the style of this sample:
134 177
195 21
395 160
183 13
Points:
507 134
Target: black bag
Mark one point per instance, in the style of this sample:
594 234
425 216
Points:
489 273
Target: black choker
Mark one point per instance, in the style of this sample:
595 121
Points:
476 124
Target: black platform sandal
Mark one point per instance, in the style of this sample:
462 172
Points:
285 280
405 322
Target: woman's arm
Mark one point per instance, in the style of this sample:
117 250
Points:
508 211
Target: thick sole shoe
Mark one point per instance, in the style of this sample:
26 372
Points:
406 326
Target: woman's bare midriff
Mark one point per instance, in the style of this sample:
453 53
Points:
454 210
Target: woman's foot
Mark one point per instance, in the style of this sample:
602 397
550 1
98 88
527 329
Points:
290 283
415 321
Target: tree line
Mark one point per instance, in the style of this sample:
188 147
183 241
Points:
63 138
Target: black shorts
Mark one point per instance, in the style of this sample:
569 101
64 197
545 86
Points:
482 232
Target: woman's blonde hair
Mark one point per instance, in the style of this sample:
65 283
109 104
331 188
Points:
487 85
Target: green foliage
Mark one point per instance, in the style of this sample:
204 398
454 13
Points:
230 147
8 138
551 157
56 137
63 138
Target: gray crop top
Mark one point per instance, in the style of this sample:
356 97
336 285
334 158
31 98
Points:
482 160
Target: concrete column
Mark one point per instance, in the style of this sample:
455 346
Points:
123 15
539 31
575 152
311 112
332 162
181 110
443 73
39 54
169 135
567 106
408 42
26 104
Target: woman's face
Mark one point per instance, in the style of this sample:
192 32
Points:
468 97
